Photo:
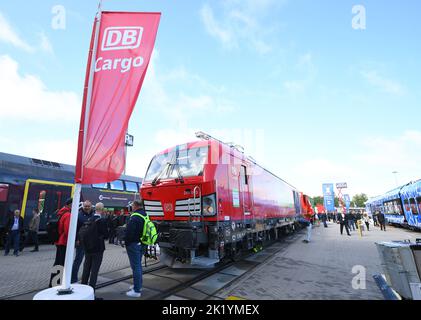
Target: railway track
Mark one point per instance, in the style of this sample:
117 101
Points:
172 274
192 283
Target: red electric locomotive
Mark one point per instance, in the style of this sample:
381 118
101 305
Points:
210 202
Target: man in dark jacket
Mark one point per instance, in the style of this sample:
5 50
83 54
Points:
94 251
134 248
85 213
14 227
343 221
382 221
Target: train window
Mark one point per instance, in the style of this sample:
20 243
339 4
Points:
100 185
406 203
58 199
4 191
117 185
131 186
419 204
413 206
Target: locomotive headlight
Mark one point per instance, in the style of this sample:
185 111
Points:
209 205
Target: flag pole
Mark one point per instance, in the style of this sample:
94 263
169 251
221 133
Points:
68 264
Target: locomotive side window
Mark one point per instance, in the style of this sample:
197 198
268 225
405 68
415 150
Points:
4 191
101 185
244 174
117 185
413 206
131 186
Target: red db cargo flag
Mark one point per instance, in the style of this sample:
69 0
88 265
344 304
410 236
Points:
119 56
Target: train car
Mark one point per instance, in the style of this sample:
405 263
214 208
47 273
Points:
28 183
411 199
211 202
401 206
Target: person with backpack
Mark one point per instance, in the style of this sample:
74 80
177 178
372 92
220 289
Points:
85 213
59 232
140 232
91 236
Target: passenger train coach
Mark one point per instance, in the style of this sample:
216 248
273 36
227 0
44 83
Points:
210 202
401 206
28 183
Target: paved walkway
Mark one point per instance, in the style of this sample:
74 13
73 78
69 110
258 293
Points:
320 270
31 270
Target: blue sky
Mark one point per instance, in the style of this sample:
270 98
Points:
307 95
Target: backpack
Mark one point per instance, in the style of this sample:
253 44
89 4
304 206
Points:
88 235
149 234
52 228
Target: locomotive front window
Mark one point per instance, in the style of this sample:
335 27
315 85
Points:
187 163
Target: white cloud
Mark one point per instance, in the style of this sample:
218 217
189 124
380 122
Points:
216 30
159 93
8 35
368 168
384 84
26 97
240 22
307 69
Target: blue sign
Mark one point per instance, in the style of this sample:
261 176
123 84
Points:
329 197
347 201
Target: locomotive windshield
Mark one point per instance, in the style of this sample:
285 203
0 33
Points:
176 163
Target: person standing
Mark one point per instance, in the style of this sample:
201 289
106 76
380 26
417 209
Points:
134 247
366 221
375 220
93 244
85 213
113 228
14 227
307 218
33 229
343 221
324 219
351 221
63 232
382 221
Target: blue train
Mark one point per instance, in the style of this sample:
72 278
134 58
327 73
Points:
401 206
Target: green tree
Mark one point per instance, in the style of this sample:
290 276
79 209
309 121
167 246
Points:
318 200
360 199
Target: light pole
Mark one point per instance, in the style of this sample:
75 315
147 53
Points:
396 178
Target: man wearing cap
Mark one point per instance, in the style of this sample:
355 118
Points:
63 231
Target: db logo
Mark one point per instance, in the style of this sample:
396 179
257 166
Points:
118 38
168 207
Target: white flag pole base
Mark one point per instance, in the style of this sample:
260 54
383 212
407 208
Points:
79 292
